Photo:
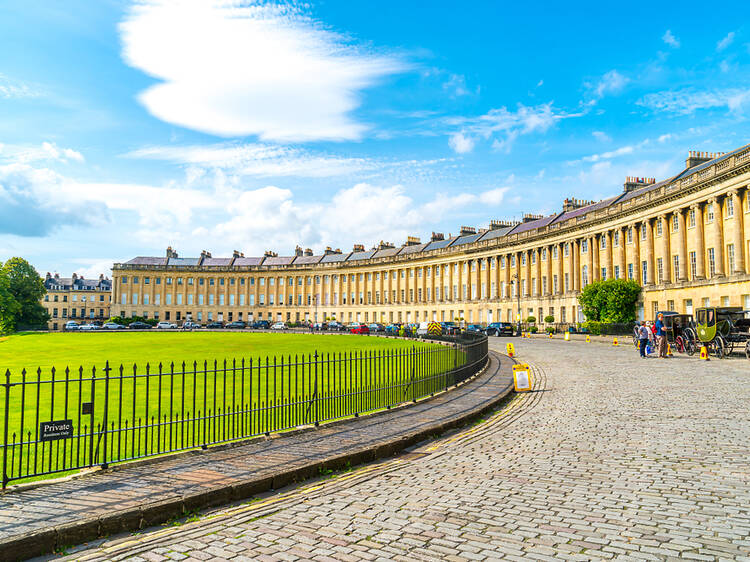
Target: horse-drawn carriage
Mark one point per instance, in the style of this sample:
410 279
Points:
680 330
723 329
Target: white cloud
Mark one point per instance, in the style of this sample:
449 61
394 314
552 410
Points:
670 39
456 86
460 143
10 88
238 67
47 151
688 101
601 136
725 42
611 82
507 125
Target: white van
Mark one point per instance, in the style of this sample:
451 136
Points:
423 328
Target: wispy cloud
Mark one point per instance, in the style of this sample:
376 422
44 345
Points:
611 82
601 136
258 69
456 86
670 39
505 126
688 101
10 88
31 153
725 42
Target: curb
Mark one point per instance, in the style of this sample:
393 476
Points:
47 540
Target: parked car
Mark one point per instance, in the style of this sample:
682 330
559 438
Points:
71 326
163 325
450 328
237 325
375 327
139 326
500 329
113 326
190 325
261 325
359 328
320 326
214 325
88 327
392 329
334 326
279 326
476 328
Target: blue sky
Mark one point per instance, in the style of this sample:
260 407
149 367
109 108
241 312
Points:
126 127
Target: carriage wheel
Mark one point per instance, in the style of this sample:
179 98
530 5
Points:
718 347
679 344
691 343
747 349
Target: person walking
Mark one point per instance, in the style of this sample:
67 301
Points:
643 333
661 336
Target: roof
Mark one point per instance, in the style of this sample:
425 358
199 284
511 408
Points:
183 262
354 256
497 233
278 260
435 244
467 239
79 284
583 210
412 249
217 261
247 261
385 252
531 225
306 260
333 258
145 260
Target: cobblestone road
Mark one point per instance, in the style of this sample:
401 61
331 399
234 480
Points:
612 457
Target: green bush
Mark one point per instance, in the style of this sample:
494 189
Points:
549 319
531 319
611 300
594 328
550 329
533 329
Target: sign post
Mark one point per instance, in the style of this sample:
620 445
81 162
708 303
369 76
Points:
521 377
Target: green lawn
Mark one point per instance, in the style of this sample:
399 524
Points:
207 402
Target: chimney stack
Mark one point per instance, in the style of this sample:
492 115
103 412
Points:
412 241
171 253
632 183
270 254
696 157
308 252
385 245
328 251
436 236
467 230
297 251
358 248
528 217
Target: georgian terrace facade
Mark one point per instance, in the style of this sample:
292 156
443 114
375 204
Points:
76 298
685 240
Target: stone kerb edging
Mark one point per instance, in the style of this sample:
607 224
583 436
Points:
47 539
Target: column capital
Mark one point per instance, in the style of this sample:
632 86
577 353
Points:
695 206
734 192
713 199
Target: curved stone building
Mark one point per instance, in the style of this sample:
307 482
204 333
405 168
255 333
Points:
684 239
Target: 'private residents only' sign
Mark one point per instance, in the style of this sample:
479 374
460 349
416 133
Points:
53 430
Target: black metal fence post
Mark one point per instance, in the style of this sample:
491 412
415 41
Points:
316 398
6 384
106 412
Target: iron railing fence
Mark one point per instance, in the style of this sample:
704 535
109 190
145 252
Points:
60 421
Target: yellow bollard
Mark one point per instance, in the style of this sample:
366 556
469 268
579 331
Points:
588 339
704 353
509 348
567 336
550 335
669 349
614 341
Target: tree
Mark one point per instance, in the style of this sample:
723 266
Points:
9 307
27 288
612 300
549 319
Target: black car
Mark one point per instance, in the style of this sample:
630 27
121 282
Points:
237 324
139 326
500 329
336 326
261 325
214 325
475 328
450 328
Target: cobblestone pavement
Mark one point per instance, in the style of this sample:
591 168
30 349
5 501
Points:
611 457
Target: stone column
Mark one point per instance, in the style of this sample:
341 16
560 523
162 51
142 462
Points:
538 272
608 262
595 246
590 261
700 242
738 238
560 269
575 271
623 252
549 291
527 275
717 237
637 253
665 249
649 251
680 246
507 276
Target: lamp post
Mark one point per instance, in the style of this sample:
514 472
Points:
518 297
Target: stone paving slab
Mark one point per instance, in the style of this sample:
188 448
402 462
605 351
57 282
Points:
128 497
615 457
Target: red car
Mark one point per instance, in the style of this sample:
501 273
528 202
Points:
359 329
